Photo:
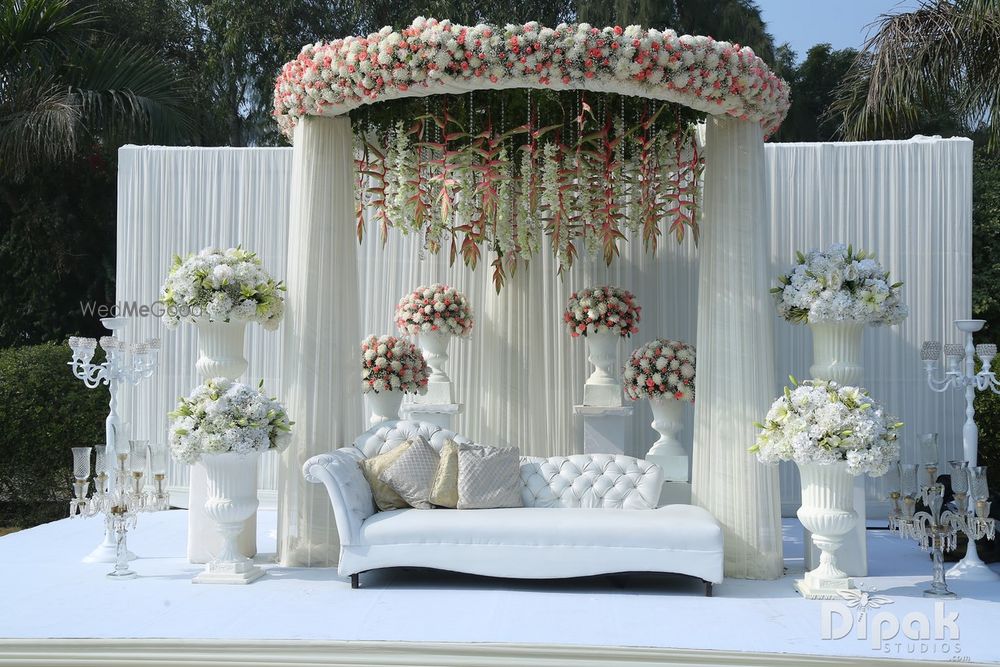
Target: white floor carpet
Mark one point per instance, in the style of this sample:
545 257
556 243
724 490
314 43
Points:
48 593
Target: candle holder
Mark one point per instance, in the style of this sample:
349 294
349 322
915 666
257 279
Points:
960 373
937 530
122 495
129 363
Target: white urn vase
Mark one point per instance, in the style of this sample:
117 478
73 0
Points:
434 345
827 512
668 452
220 349
232 499
837 351
384 405
603 388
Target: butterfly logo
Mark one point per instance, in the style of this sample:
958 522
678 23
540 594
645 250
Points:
864 599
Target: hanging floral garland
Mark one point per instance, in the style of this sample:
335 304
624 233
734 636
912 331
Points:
587 183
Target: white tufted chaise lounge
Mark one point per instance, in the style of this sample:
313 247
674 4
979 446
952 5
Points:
582 515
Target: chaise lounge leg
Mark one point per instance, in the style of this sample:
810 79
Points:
356 580
708 589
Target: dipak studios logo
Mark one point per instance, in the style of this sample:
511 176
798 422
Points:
863 616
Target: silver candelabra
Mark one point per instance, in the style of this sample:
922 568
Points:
121 495
126 363
937 530
960 373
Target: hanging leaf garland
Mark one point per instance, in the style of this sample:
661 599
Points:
587 180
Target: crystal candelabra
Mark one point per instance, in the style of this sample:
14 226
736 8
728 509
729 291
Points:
126 363
938 529
960 373
122 494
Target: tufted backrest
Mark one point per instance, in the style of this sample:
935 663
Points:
582 480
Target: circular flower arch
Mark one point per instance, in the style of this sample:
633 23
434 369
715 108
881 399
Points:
433 57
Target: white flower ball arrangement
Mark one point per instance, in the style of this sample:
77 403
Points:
839 284
822 422
222 415
604 308
389 363
661 368
434 308
222 286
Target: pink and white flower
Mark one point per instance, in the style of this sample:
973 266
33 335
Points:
604 308
661 367
389 363
436 308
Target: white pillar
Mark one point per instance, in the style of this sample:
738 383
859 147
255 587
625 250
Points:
321 370
735 352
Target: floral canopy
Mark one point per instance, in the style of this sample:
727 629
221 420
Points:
587 171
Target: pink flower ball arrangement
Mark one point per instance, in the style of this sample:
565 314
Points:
389 363
603 308
661 368
434 308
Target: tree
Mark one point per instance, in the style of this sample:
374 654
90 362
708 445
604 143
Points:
63 85
812 90
936 66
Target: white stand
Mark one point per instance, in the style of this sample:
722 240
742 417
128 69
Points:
204 541
439 388
852 556
440 414
105 553
675 493
603 428
229 573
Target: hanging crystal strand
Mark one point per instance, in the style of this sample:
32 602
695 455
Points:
422 255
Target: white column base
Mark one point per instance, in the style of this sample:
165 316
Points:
603 395
603 428
675 467
439 414
106 552
818 588
852 556
229 573
438 393
972 568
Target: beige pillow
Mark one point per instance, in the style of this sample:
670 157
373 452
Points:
411 474
444 488
385 497
488 477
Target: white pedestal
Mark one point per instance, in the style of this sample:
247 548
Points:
675 467
204 540
435 413
603 428
438 393
852 556
602 395
675 493
229 573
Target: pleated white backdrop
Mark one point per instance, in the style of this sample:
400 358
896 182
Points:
519 374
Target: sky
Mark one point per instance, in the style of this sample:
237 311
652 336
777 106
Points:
842 23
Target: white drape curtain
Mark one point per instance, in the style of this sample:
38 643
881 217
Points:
519 374
321 327
735 381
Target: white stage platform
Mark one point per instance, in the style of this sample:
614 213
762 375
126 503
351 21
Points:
58 611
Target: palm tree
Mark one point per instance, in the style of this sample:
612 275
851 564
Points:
63 83
939 61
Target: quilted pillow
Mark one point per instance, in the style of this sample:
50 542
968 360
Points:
488 477
412 473
444 486
385 497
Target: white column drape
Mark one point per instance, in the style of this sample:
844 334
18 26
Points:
735 352
322 332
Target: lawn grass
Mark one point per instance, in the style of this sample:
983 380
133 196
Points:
7 531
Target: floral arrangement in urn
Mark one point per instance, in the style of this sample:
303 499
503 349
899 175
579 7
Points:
223 416
839 284
434 308
389 363
599 309
661 368
222 286
821 422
